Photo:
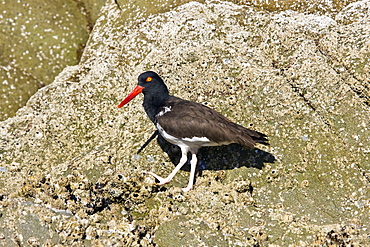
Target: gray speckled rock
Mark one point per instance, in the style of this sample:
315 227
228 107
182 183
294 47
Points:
68 163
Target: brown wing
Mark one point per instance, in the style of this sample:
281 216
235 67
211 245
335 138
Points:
189 119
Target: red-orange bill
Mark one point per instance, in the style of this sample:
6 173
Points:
132 95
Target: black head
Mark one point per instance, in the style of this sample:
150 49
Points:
149 77
152 83
149 83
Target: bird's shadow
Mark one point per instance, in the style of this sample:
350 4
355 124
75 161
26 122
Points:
224 157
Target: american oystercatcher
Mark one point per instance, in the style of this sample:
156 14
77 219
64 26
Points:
188 124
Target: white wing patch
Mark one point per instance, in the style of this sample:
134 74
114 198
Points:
196 139
188 142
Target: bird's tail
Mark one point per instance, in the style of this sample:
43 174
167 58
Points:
260 138
249 138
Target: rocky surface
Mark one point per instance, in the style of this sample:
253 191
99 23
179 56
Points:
68 164
38 39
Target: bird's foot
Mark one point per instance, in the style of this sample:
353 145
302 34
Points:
161 180
187 189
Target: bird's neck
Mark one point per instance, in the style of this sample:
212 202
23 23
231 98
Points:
153 103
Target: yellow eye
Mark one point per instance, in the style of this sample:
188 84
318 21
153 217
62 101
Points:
148 79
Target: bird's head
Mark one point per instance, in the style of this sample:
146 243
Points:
148 82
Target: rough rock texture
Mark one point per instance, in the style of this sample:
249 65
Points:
37 40
324 7
68 165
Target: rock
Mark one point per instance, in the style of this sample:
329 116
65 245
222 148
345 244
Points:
38 40
68 158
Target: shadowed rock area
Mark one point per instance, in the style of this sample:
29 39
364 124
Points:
68 164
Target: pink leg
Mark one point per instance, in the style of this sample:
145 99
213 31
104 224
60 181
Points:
193 164
182 162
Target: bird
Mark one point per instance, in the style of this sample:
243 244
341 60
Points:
187 124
